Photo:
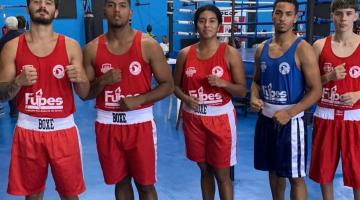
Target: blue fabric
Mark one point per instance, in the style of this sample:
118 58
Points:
273 147
281 81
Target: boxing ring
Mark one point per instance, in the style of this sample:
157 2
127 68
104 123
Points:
250 23
178 177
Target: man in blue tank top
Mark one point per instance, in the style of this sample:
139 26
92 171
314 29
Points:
286 82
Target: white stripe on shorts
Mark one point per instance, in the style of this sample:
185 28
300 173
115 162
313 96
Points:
295 164
302 141
232 123
154 132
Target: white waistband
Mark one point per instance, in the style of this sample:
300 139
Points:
329 113
45 124
270 109
207 110
125 118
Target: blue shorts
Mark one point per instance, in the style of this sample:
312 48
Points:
281 149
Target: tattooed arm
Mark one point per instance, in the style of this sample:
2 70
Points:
10 84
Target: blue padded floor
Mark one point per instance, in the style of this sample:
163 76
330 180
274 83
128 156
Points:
178 178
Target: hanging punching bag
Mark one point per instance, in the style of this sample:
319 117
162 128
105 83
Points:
89 26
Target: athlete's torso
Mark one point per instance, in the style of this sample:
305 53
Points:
196 72
334 89
135 74
52 95
281 80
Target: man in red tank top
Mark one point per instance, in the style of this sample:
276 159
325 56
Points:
40 67
337 117
120 65
207 75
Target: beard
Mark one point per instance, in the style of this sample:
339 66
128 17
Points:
42 20
116 25
115 21
283 30
280 31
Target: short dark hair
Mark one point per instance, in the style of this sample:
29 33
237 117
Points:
208 7
296 5
343 4
128 2
57 2
21 22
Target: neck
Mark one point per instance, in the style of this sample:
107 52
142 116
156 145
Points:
283 38
208 43
119 33
41 32
344 37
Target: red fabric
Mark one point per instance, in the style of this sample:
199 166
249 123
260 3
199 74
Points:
208 139
51 96
333 89
31 154
332 138
135 74
195 77
127 150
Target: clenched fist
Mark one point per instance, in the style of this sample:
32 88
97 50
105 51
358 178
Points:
192 102
27 77
256 104
282 117
338 73
130 103
76 74
216 81
350 98
112 76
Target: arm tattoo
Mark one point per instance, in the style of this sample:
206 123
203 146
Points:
8 90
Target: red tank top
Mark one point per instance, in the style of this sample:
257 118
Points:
196 71
51 96
135 74
334 89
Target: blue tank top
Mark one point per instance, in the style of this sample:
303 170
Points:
281 81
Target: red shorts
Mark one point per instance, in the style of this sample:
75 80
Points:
31 154
127 150
211 139
332 138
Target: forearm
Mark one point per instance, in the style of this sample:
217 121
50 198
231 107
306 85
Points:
357 96
96 87
236 90
180 94
9 90
350 98
161 91
357 93
82 89
255 89
308 100
326 78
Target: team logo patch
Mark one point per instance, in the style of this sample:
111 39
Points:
105 67
135 68
263 66
218 71
284 68
59 71
328 67
190 71
354 72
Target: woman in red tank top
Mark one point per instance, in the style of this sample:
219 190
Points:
207 75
